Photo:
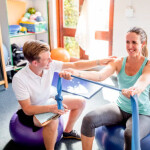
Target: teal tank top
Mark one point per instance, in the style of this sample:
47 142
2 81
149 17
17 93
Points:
125 82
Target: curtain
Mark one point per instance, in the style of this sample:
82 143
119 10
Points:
90 20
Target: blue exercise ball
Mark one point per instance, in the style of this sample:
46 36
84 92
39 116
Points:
5 51
112 138
24 135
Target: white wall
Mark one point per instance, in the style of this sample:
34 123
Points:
122 23
53 24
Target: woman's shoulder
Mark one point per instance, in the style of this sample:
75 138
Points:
147 66
119 60
118 63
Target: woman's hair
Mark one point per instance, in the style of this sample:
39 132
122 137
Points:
143 38
33 48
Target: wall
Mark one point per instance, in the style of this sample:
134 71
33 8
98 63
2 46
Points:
122 23
53 24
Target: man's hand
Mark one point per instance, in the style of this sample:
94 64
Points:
105 61
66 74
54 109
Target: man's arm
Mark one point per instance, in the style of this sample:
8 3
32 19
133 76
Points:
87 64
91 75
37 109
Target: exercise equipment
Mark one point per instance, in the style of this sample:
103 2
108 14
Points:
77 86
135 123
135 116
60 54
14 29
58 97
39 18
98 83
27 15
31 10
112 138
24 135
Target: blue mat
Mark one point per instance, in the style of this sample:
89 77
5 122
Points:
77 86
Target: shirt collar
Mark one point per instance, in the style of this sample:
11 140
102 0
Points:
32 74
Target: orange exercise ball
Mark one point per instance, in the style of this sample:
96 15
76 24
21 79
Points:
60 54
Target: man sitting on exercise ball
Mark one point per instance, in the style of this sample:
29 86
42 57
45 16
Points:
32 87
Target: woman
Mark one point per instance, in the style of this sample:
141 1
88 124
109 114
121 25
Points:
133 73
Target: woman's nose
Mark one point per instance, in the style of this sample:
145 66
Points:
130 45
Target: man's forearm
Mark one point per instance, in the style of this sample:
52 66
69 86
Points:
86 64
37 109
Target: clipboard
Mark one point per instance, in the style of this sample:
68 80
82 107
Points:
45 118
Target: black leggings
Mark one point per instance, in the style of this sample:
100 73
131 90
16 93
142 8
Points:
111 114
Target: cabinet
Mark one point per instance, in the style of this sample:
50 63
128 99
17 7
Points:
9 10
2 65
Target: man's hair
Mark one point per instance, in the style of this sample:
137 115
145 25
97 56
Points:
33 48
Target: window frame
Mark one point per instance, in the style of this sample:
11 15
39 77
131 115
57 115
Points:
99 35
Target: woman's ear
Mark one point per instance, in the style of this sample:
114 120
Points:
143 44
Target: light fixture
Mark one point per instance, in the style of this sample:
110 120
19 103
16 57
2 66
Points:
129 12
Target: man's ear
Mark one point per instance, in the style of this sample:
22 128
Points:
34 62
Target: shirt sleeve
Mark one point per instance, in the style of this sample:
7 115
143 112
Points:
20 89
57 65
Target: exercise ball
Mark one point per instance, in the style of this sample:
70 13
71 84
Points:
39 18
60 54
112 138
24 135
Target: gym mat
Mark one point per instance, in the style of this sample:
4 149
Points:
77 86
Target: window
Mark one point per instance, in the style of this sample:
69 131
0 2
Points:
67 18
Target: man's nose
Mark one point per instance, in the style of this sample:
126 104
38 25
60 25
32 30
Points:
50 59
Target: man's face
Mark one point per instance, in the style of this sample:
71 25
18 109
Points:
45 60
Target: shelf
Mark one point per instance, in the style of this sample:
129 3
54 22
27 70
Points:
25 34
14 68
17 68
11 13
9 68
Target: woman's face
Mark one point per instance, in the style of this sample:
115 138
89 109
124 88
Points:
133 44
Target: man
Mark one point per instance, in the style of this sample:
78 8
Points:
32 87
